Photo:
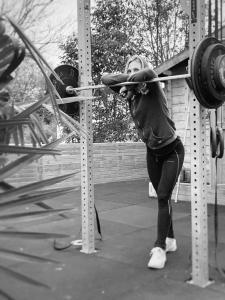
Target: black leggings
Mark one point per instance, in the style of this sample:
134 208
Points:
163 172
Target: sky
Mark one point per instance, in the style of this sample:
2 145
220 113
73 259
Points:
61 12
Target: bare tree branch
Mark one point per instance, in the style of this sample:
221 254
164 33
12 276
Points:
30 15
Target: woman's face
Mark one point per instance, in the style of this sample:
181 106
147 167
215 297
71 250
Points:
134 67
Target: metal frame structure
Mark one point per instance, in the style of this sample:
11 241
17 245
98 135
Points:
198 152
87 187
198 160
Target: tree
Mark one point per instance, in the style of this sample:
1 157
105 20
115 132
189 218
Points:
29 84
111 121
162 25
29 15
113 36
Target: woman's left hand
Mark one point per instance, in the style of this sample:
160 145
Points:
143 88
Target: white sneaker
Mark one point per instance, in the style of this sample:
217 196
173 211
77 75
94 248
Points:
171 245
157 258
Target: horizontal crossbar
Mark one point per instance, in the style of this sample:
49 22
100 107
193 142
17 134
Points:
100 86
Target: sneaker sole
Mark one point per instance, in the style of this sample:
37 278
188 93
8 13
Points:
157 267
171 250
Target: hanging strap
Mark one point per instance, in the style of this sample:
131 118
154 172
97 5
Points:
59 245
98 223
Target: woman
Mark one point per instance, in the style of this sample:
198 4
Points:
165 151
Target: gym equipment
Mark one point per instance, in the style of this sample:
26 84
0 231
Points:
207 75
69 75
206 82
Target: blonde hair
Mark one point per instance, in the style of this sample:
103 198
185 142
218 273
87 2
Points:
142 60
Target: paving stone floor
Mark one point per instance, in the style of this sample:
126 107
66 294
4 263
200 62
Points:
117 270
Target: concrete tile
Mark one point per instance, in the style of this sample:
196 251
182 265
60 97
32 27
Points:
166 289
118 269
133 215
136 215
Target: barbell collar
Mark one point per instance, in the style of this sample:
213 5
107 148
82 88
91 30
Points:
70 90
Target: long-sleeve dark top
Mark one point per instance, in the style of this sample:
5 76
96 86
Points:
149 111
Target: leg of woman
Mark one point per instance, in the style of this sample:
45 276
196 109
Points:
154 167
171 168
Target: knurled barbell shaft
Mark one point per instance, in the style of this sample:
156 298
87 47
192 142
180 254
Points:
100 86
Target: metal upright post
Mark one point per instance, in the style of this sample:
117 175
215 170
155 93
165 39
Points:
198 161
87 189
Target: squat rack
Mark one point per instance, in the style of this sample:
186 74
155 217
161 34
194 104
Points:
198 151
198 114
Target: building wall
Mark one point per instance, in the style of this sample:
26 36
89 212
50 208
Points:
177 94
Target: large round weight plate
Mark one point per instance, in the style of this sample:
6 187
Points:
201 90
219 72
216 95
69 76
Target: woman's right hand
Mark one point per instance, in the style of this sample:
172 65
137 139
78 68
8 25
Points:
123 92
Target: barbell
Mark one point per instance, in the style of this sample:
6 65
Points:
207 75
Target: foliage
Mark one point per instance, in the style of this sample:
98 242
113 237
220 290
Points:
29 86
113 37
111 120
153 29
29 83
13 121
162 26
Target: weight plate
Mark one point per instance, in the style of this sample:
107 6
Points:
69 75
219 72
215 95
200 89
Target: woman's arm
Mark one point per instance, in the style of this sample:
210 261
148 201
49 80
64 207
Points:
111 79
143 75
